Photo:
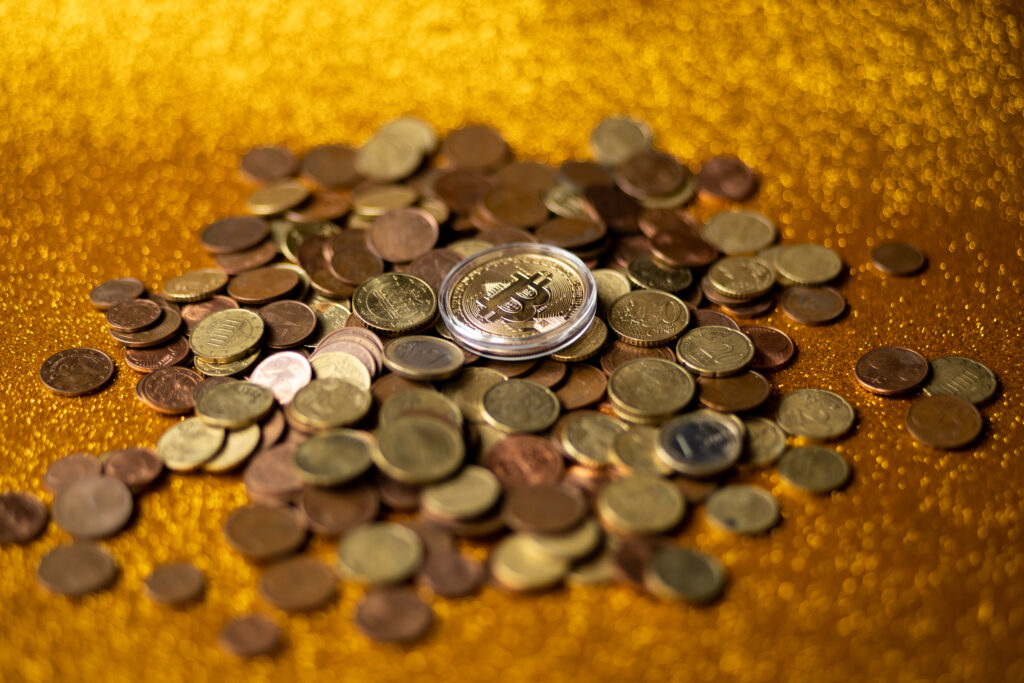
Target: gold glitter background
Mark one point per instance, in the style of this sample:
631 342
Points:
121 126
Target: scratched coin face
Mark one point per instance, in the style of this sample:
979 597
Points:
524 300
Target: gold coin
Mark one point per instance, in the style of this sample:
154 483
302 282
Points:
742 509
684 574
815 414
418 449
714 351
343 366
234 405
419 401
741 277
738 232
334 457
611 285
640 504
239 444
587 436
468 494
380 554
227 336
815 469
615 140
645 273
650 387
195 285
961 377
648 317
189 444
395 302
516 564
225 369
423 358
469 247
468 388
571 545
520 406
598 569
587 346
277 198
766 442
329 404
809 264
635 451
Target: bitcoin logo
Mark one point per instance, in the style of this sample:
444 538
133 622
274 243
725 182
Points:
519 300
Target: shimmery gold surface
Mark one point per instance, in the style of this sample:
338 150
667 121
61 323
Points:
121 127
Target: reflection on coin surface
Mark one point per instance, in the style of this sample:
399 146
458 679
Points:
701 443
815 469
815 414
961 377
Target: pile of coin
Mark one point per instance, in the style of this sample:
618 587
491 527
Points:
324 375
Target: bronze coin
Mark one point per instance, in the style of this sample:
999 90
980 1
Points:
236 233
891 370
717 296
93 507
462 189
344 241
175 584
169 390
436 540
193 314
548 373
336 511
628 248
401 235
734 394
630 559
510 368
505 235
897 258
289 323
323 281
570 233
433 266
271 428
703 317
584 387
251 636
331 166
543 508
76 371
726 177
250 259
135 467
106 295
354 266
812 305
514 207
163 302
751 308
654 221
76 569
452 575
525 460
134 315
944 421
475 147
397 495
272 474
161 333
209 383
266 164
393 615
587 480
696 491
651 174
529 176
69 469
263 533
22 517
683 247
298 584
579 175
615 208
772 348
391 384
487 525
263 285
618 353
156 357
321 206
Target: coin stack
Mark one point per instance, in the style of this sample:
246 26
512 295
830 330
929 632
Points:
323 374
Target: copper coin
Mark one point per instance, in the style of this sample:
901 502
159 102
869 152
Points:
156 357
696 491
134 315
487 525
69 469
628 248
22 517
716 296
321 206
681 246
162 333
175 584
331 166
397 495
584 387
772 348
726 177
263 285
548 373
76 569
944 421
391 384
401 235
323 281
236 233
618 353
169 390
193 314
436 540
579 175
505 235
106 295
734 394
751 308
163 302
76 371
354 266
630 559
452 575
588 480
543 508
651 174
345 240
525 460
93 507
616 209
529 176
271 429
891 370
897 258
514 207
812 305
336 511
433 266
135 467
510 368
475 147
209 383
393 615
265 164
298 584
703 317
264 533
249 259
251 636
462 190
272 474
289 323
570 233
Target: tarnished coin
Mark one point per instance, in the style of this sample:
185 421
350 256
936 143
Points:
264 533
175 584
648 318
250 259
897 258
236 233
156 357
163 332
277 197
684 574
189 444
467 390
547 373
520 406
701 443
891 370
650 174
814 414
334 457
726 177
742 509
741 277
271 477
423 358
169 390
264 285
587 437
331 166
635 451
516 565
77 371
328 403
251 636
106 295
341 365
944 421
715 351
234 405
543 508
815 469
766 442
76 569
269 163
419 449
584 387
394 302
284 374
739 232
227 336
22 517
523 459
380 553
468 494
703 317
646 273
195 313
772 348
93 507
69 469
587 346
238 445
134 315
452 574
288 323
809 264
734 394
618 353
402 235
616 139
393 615
640 504
298 584
812 305
475 147
650 387
195 285
333 512
961 377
